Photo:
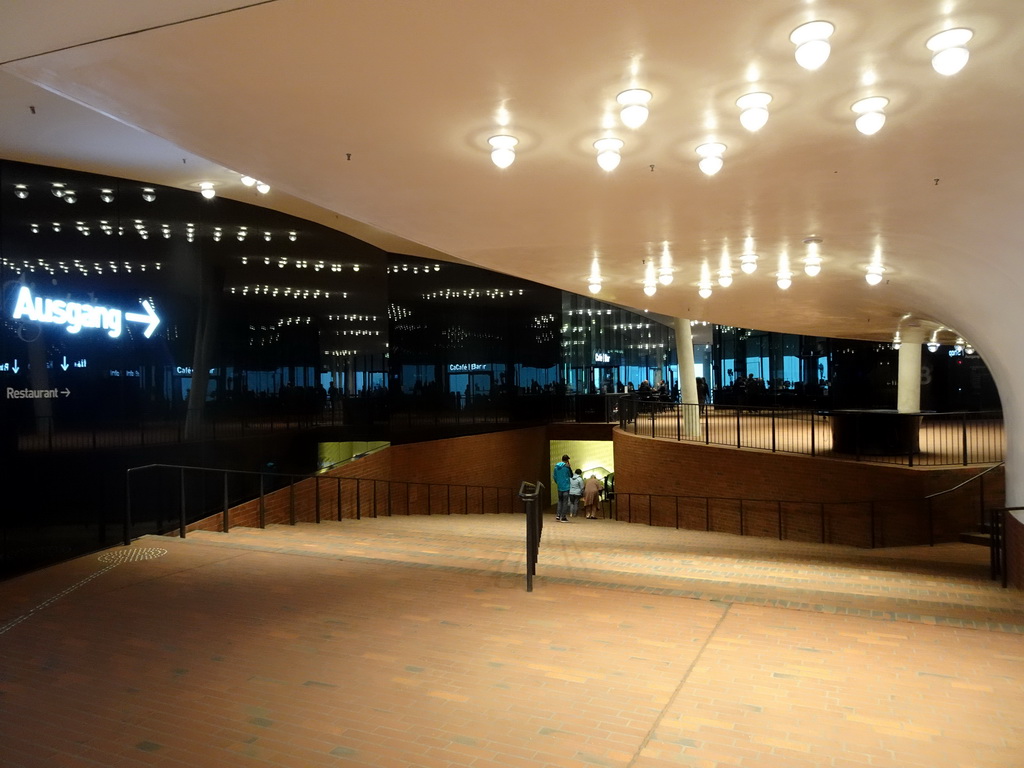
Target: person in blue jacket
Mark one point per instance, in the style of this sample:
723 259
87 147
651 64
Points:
561 475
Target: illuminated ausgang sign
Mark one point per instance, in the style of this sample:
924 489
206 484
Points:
76 315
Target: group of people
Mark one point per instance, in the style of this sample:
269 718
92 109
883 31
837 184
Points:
574 490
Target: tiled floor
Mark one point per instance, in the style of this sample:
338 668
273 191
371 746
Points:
412 642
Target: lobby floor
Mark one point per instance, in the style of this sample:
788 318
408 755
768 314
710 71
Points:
412 642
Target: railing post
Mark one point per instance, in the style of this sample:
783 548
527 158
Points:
739 440
963 434
316 494
931 525
779 505
773 429
741 517
679 422
181 511
263 503
226 519
813 430
291 501
127 538
359 499
707 514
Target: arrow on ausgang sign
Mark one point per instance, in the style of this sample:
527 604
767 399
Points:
150 317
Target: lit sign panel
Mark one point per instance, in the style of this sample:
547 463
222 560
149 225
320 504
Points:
466 367
77 315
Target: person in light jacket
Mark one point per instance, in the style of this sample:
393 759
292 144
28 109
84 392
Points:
575 492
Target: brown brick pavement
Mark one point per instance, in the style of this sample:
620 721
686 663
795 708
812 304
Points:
412 642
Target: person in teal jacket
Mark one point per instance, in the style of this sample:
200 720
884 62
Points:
561 475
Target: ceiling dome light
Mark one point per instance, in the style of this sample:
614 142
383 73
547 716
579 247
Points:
950 56
784 279
595 286
107 195
872 116
206 190
725 277
503 153
20 191
608 156
634 107
874 274
812 262
262 187
897 342
148 194
650 289
959 344
811 41
70 196
248 181
754 108
705 289
933 345
748 263
711 157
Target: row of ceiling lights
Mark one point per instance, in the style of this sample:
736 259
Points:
812 51
207 189
142 229
663 274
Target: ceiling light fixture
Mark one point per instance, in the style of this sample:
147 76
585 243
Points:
634 107
754 108
704 287
811 41
57 189
897 342
608 156
206 190
711 157
812 261
725 277
784 279
503 153
871 114
107 195
959 344
950 55
650 281
20 191
874 274
933 343
148 194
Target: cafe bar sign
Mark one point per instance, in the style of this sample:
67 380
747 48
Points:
75 316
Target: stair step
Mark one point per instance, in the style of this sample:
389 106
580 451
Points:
976 537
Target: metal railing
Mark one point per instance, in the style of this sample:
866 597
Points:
998 533
943 439
177 496
530 495
969 484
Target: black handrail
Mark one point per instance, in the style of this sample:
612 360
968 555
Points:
481 495
998 558
739 508
950 438
530 494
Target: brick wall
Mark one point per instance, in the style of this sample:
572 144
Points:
811 499
475 474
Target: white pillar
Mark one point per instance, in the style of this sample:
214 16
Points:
687 378
908 391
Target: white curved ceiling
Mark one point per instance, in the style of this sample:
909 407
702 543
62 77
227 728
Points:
373 115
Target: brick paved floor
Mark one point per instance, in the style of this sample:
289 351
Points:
411 642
